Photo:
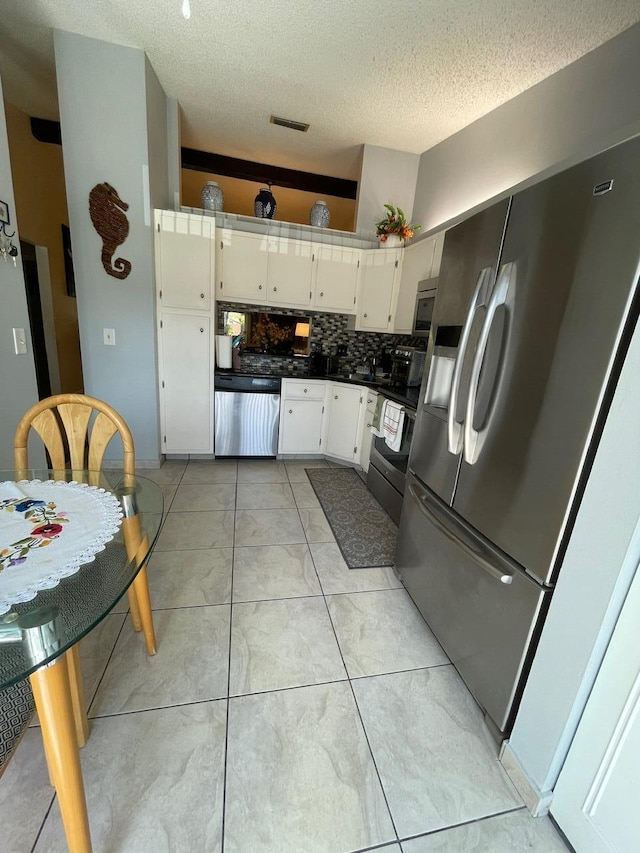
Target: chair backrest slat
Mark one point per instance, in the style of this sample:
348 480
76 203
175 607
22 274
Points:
47 426
75 417
103 431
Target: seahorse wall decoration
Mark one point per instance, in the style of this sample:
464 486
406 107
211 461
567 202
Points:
106 209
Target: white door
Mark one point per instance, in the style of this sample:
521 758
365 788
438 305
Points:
185 260
290 267
301 426
376 289
186 382
336 278
344 420
596 801
243 268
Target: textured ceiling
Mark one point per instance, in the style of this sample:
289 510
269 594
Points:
404 74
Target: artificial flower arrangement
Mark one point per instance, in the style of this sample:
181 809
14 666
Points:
396 223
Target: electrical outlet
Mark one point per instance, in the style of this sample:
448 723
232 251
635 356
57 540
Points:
341 349
109 337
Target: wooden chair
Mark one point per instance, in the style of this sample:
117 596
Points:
67 419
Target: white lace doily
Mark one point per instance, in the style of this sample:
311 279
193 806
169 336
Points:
48 529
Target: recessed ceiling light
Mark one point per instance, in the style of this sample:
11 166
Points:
186 9
290 123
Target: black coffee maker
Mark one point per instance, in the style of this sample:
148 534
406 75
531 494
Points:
322 364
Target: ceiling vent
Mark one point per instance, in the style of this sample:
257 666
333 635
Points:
290 123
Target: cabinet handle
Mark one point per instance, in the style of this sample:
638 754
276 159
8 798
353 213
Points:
336 397
275 289
202 296
290 411
364 315
259 287
305 390
201 329
322 293
368 426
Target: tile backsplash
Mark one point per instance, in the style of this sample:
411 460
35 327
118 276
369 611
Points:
327 331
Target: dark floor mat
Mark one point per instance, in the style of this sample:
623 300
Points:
364 532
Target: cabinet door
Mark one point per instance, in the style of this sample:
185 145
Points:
344 418
336 278
243 271
417 264
289 273
376 289
366 437
184 260
301 426
186 381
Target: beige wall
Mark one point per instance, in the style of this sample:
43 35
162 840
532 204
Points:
293 205
41 205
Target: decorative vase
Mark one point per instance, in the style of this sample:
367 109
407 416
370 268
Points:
393 241
319 214
212 196
264 205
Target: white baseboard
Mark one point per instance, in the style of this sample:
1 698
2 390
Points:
536 801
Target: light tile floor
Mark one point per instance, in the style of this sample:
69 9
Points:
294 706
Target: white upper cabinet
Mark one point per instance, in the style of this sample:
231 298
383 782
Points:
421 260
379 277
264 270
336 278
184 260
289 272
242 268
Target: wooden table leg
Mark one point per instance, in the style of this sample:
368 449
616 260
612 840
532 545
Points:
52 696
135 610
78 701
137 547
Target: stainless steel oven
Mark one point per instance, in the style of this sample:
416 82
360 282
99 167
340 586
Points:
425 302
388 468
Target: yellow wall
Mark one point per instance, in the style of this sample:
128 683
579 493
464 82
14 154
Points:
41 206
293 205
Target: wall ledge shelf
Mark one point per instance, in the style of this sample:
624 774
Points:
278 228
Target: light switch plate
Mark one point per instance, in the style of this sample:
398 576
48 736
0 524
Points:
109 336
19 341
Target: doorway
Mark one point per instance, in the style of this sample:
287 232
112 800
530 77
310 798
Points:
40 322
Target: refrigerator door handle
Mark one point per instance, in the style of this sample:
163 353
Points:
455 429
474 439
501 575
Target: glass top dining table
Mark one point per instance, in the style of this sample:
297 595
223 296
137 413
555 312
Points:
63 615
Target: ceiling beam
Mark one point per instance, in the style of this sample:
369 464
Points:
247 170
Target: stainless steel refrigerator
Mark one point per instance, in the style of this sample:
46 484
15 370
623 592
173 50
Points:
536 301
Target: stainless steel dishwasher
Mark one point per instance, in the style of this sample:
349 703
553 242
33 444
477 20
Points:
247 414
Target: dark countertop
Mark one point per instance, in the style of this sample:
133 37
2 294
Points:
406 396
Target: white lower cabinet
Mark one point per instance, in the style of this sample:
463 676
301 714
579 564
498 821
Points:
302 411
186 382
301 426
346 408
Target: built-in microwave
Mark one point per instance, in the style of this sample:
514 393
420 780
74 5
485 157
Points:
425 303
